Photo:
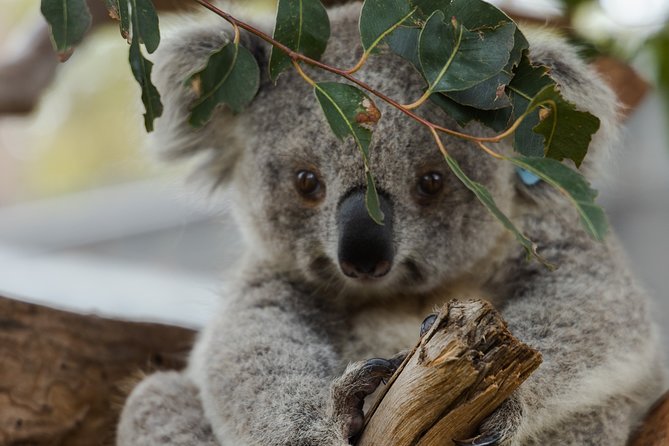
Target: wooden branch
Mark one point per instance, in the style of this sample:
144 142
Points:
61 373
458 374
655 429
62 377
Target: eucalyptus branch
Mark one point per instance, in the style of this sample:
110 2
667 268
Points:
295 56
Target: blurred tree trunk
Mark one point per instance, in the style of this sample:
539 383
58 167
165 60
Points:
64 376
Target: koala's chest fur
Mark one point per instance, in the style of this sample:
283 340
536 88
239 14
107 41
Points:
385 328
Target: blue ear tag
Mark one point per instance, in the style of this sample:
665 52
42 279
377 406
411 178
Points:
527 177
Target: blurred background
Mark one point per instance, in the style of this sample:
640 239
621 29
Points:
89 222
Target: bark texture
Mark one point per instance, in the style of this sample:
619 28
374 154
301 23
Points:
459 373
655 429
64 376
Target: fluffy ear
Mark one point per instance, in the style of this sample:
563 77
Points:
185 50
580 84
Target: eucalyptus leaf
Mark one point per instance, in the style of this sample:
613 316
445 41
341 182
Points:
145 24
343 106
567 131
304 27
379 18
572 185
118 10
453 58
487 95
498 120
141 69
350 112
487 200
68 22
138 21
528 81
473 14
231 77
404 42
372 201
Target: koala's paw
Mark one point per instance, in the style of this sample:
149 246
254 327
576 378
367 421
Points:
499 428
359 380
427 323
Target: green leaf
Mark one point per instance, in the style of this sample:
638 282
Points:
301 25
528 81
231 77
141 69
567 132
454 58
487 95
497 120
372 201
473 14
487 200
404 42
350 112
118 10
573 186
138 21
68 21
145 24
379 18
343 106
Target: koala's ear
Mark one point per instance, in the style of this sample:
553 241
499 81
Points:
184 51
580 84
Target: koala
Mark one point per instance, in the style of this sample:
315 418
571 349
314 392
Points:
325 300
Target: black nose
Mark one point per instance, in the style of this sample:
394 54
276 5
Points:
365 247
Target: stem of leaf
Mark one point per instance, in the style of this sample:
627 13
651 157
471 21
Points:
360 63
439 142
237 34
304 75
420 101
489 151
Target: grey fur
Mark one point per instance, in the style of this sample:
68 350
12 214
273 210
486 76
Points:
262 373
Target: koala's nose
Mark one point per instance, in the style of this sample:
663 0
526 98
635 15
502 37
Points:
365 247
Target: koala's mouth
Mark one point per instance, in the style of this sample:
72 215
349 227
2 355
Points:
369 271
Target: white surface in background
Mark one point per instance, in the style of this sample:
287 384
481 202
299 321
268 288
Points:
106 287
638 12
56 252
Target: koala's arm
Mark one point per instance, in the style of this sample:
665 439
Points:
589 319
265 367
590 322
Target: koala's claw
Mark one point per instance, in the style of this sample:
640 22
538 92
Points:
485 439
358 381
427 323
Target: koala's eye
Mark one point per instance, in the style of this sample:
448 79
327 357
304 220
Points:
308 184
430 184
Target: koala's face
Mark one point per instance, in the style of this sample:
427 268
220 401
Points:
301 191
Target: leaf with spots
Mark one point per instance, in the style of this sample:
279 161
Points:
350 112
304 27
567 131
68 22
528 81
